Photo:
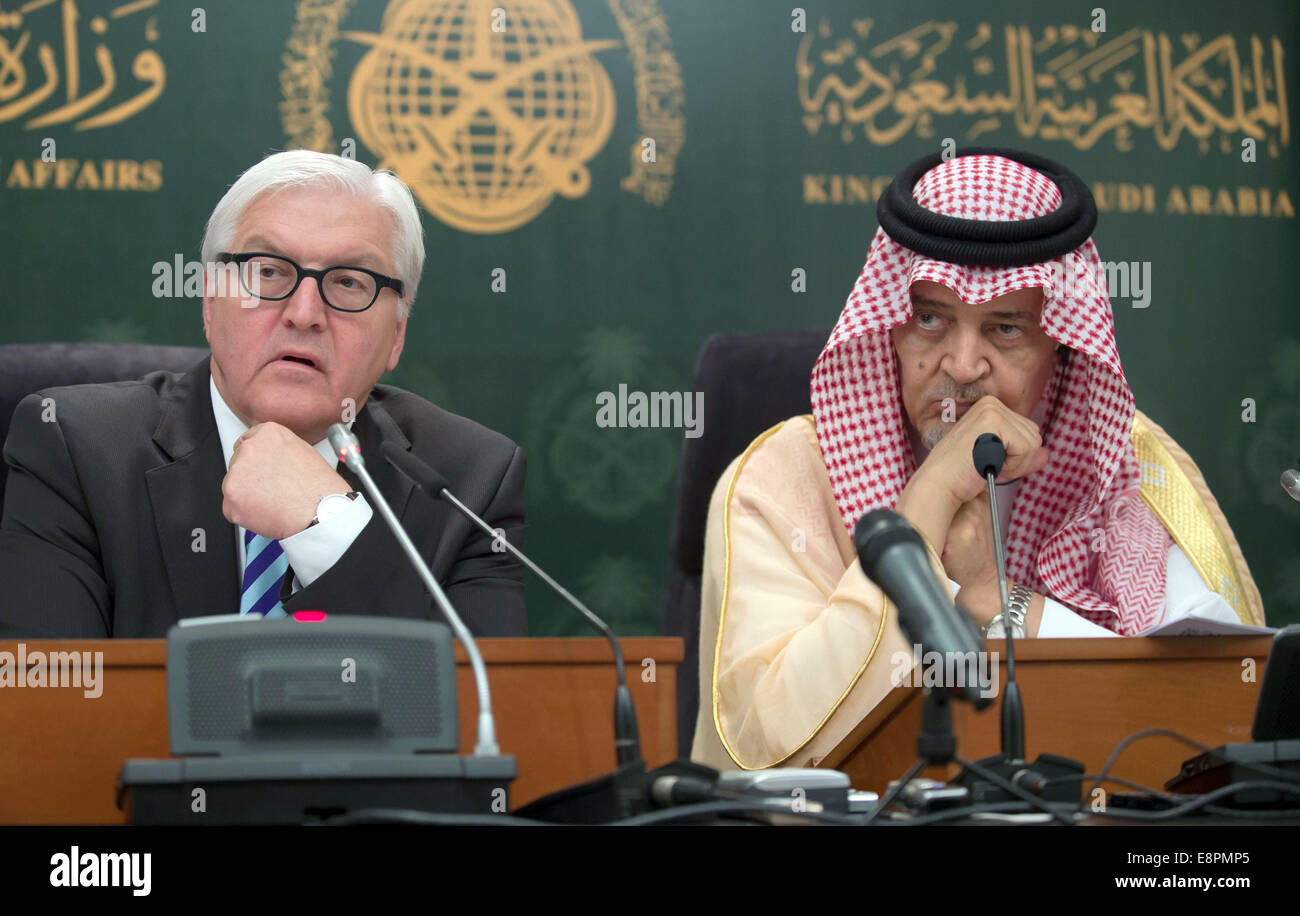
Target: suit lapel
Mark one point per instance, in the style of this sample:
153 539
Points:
198 543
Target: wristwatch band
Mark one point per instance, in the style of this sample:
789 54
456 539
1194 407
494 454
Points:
1017 608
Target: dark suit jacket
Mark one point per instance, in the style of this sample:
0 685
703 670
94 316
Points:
112 518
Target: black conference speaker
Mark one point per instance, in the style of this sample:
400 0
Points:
286 722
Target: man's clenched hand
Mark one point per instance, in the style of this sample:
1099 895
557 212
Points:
947 480
275 481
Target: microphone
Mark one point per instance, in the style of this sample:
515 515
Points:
998 778
629 789
989 454
627 739
893 556
1291 483
349 451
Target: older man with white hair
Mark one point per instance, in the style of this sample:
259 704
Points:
216 491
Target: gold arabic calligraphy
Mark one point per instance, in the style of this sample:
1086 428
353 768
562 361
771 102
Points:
1067 83
19 56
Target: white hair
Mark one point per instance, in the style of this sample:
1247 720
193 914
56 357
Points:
302 168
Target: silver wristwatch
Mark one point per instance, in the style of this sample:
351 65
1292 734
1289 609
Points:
331 504
1017 607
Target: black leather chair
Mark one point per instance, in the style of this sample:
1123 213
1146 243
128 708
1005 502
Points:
750 382
25 368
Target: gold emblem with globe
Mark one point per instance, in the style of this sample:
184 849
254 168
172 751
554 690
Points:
486 110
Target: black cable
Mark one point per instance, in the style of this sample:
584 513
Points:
1119 780
1007 786
1203 801
1068 808
1137 736
896 789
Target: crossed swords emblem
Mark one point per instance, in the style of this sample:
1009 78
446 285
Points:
481 83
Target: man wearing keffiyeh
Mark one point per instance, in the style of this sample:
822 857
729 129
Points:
982 307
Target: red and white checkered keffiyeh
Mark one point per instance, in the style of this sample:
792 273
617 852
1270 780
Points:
1114 577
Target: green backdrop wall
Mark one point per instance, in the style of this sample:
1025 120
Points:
774 126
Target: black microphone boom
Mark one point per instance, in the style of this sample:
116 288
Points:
988 455
627 740
346 446
994 778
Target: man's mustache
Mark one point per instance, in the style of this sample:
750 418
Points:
950 389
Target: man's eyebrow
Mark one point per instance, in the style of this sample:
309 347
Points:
1012 316
261 243
930 303
1003 316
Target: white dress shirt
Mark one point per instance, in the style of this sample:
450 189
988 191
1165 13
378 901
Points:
313 550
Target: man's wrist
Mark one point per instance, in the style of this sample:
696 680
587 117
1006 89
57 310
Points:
1034 617
317 549
981 601
930 509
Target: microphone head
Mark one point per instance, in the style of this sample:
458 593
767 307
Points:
1291 482
420 473
346 446
988 454
878 530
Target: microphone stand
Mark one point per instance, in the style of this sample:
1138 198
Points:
349 452
1052 777
876 534
629 788
626 791
936 745
1013 713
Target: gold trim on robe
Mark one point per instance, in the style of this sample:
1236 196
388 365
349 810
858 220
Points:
1173 487
722 622
858 591
820 646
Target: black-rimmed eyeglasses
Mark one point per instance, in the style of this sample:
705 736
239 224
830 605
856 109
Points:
274 277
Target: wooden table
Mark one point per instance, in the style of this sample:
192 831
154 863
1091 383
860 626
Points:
60 752
1081 698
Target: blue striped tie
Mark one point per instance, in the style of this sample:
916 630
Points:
264 568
